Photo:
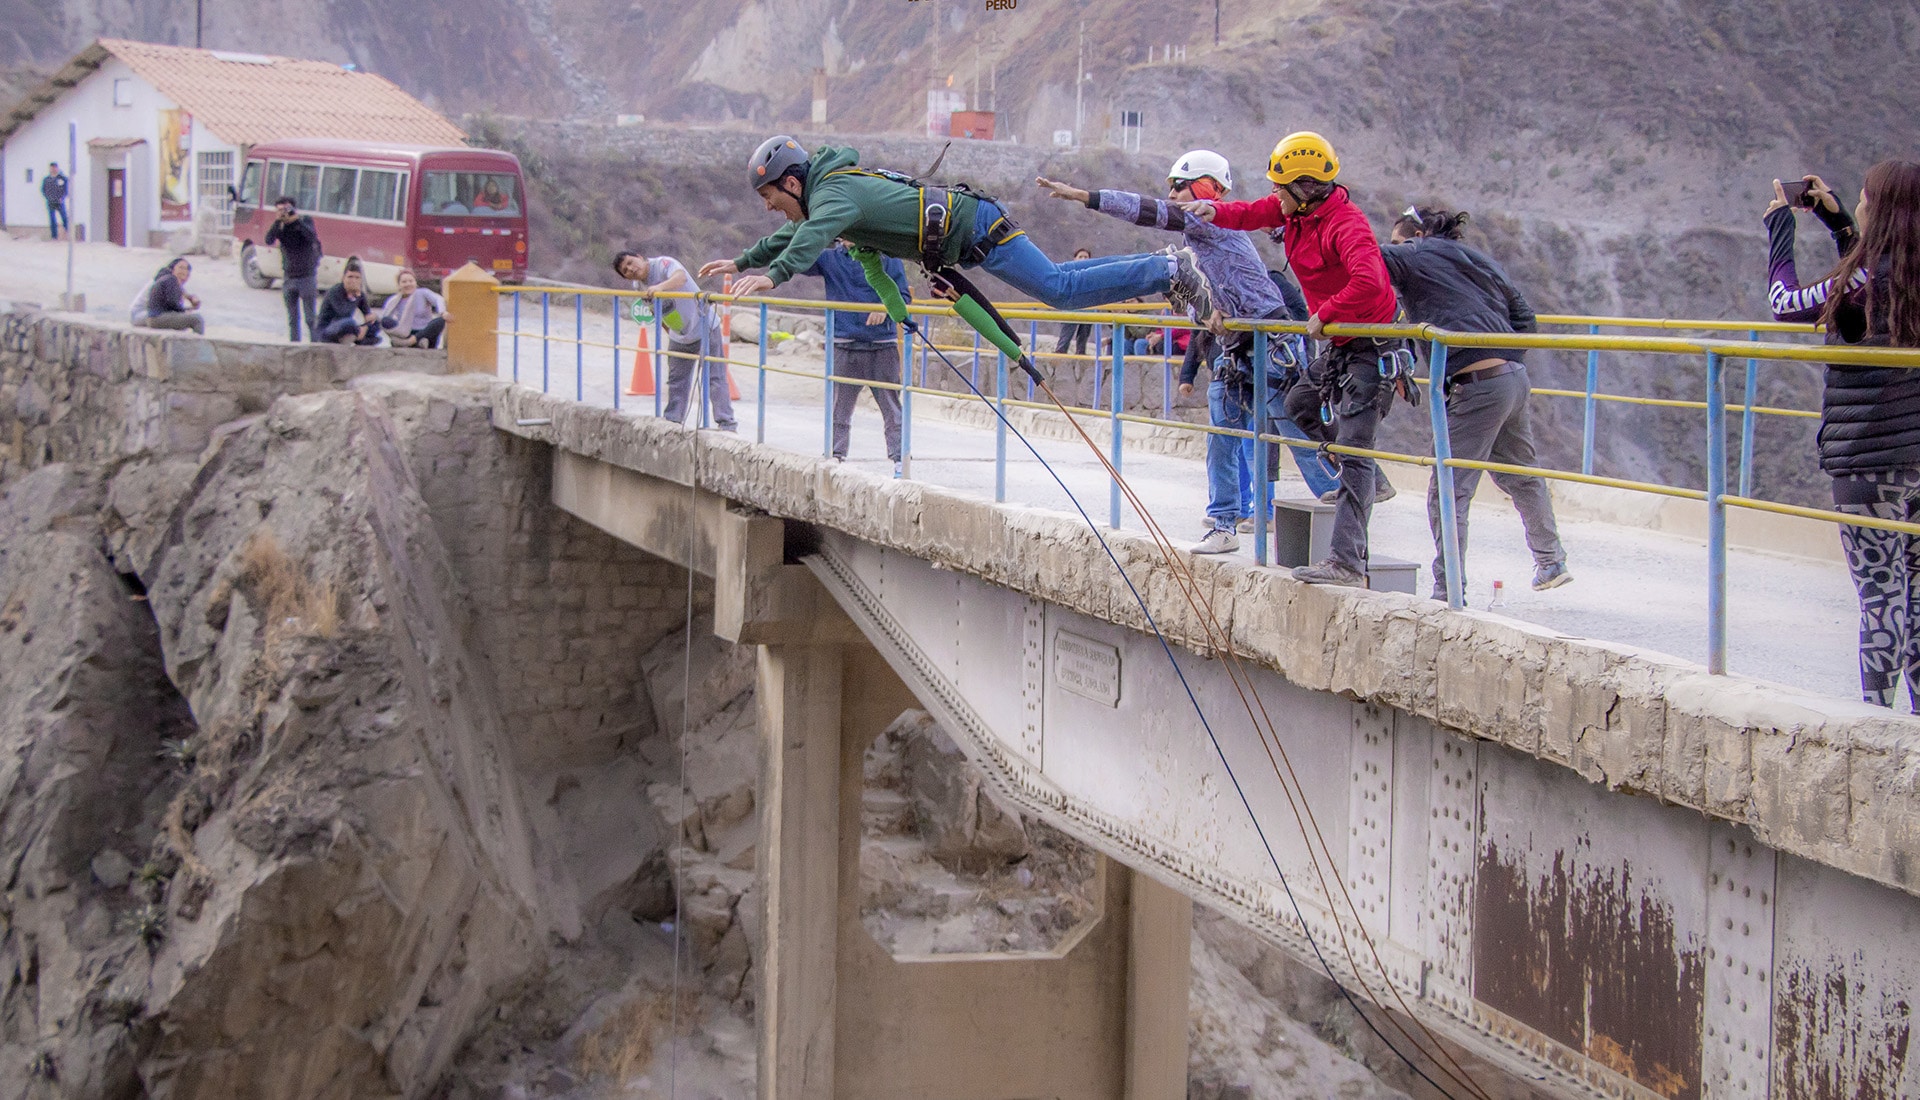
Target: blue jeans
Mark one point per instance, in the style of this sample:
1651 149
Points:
1080 284
1231 461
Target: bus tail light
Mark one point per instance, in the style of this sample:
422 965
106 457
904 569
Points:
520 246
421 244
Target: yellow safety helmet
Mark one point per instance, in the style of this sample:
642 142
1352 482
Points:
1303 155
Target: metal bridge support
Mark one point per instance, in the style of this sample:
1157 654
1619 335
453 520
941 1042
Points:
1102 1017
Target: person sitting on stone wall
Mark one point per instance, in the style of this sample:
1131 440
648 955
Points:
414 317
346 316
169 306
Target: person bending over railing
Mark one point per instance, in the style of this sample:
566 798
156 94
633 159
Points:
1445 283
1869 437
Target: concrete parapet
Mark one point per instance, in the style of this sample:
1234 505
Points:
1834 781
72 390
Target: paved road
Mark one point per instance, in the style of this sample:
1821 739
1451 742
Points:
1792 618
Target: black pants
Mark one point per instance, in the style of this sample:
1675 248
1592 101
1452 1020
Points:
1350 374
429 335
1070 335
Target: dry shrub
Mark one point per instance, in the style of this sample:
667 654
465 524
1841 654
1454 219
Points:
278 586
622 1047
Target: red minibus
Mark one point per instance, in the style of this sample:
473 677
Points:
397 207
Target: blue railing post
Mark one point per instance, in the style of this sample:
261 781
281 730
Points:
579 347
906 402
1593 385
826 415
516 336
1443 473
1716 516
1033 351
660 364
760 396
1117 400
546 343
616 353
1098 363
1000 429
1747 423
1262 488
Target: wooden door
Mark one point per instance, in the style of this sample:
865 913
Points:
117 206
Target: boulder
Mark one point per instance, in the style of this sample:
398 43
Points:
964 825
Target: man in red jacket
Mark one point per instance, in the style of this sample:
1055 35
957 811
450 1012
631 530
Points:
1331 248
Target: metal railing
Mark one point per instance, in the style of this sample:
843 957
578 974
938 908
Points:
1713 351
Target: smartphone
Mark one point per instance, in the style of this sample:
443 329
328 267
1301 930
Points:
1797 192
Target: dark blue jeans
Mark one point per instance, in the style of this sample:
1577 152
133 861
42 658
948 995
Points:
1081 284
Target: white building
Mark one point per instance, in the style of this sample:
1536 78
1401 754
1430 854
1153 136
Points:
160 130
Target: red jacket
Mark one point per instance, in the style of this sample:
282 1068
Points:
1332 253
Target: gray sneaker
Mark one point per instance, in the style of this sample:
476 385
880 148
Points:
1190 290
1550 576
1383 490
1218 541
1330 572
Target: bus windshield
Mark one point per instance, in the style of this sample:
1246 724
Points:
470 194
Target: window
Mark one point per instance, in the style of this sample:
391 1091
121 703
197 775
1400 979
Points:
29 175
216 175
276 182
122 92
303 185
378 190
250 184
336 190
474 194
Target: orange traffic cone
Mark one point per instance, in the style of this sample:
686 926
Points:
642 384
726 338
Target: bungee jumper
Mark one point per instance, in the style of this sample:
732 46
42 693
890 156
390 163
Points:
827 196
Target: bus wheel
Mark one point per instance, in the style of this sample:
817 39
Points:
250 270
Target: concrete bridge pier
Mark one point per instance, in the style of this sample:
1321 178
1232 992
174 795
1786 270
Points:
1101 1017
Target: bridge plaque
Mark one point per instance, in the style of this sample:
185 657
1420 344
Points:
1086 667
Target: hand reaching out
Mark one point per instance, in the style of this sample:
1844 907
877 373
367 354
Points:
747 284
1062 190
1201 209
718 267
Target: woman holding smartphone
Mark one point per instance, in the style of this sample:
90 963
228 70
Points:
1869 439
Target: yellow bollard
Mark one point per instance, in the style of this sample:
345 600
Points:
473 312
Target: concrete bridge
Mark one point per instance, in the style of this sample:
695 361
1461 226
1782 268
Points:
1605 870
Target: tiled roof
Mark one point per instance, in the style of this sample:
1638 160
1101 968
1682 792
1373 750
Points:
250 98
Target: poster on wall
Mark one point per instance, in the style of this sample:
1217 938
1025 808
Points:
176 149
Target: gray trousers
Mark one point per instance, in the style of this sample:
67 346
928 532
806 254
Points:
1357 407
176 320
300 293
1487 422
875 362
680 367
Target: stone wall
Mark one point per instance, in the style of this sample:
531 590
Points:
561 611
71 391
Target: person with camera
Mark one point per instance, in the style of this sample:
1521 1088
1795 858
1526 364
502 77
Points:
1869 440
1446 283
299 264
1342 397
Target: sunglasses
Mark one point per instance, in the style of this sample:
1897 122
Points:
1414 213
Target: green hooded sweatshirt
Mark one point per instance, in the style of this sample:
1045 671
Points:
870 211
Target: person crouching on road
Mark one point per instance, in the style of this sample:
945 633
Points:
346 316
866 347
169 306
1332 250
1869 416
825 196
693 335
1445 283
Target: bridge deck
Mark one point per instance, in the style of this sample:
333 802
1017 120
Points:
1792 621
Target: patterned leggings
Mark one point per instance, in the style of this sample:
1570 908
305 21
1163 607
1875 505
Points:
1886 573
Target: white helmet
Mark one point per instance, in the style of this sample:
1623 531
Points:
1202 163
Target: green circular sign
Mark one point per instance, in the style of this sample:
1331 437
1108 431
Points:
641 312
